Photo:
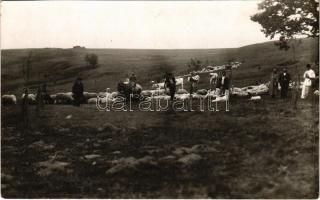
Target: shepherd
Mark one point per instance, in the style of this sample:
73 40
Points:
223 84
77 91
193 80
170 82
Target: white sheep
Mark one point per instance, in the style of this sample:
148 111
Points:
9 99
64 98
92 101
255 98
89 95
32 98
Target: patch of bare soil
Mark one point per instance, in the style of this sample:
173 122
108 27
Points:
257 150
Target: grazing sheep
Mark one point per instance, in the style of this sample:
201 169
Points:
222 98
211 93
179 81
146 93
64 98
198 96
32 98
92 101
182 91
162 97
9 99
158 92
114 94
102 94
158 85
202 92
183 96
255 98
89 95
259 89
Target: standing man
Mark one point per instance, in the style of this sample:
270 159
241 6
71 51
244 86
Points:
308 76
223 84
193 80
77 90
284 80
170 82
133 81
213 81
273 88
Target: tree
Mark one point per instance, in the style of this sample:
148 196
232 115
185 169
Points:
91 59
288 18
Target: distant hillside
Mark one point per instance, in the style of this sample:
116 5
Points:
59 67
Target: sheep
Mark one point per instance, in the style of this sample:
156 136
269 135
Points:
158 85
183 96
146 93
89 95
32 98
259 89
92 101
255 98
102 94
182 91
9 99
64 98
114 94
179 81
161 97
222 98
211 93
198 96
202 92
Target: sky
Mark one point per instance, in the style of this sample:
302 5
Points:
132 24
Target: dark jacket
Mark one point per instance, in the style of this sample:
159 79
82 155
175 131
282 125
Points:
77 89
225 85
284 80
170 82
133 78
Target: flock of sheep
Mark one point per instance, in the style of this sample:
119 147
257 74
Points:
159 93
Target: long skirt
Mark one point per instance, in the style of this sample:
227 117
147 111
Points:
305 91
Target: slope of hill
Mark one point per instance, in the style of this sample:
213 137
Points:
59 67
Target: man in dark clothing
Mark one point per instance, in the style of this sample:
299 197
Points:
133 81
46 97
77 91
284 80
223 83
170 82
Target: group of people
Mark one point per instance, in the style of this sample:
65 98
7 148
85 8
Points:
219 84
282 81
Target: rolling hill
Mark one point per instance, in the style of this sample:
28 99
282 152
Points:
59 67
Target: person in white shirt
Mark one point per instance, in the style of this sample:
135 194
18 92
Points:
213 81
308 76
193 80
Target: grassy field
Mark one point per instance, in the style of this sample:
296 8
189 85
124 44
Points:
259 149
59 67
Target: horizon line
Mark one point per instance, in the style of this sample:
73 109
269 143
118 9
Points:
121 48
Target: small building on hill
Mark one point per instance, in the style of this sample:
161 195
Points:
78 47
